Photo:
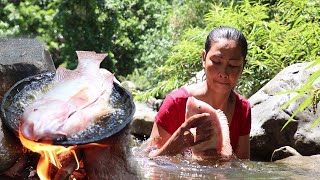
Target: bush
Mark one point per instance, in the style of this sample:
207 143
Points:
278 35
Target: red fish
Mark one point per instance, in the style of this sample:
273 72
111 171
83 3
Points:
218 146
76 99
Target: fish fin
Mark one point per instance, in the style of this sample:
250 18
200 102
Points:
62 73
226 149
90 55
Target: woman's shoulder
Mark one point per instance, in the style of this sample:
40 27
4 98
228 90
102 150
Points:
194 89
180 93
241 100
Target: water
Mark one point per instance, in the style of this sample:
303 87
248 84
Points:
177 167
183 167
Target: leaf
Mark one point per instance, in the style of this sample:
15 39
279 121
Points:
290 119
290 101
306 102
315 122
316 81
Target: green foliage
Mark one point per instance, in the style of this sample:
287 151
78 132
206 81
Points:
159 43
278 35
115 27
25 19
141 82
188 13
183 63
118 28
154 44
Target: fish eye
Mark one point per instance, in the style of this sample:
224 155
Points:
199 107
35 109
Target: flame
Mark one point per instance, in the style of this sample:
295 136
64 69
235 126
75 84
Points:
48 154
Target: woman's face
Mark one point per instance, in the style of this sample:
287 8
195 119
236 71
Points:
223 65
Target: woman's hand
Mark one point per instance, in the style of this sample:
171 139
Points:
183 138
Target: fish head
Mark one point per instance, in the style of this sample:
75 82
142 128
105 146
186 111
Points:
43 121
194 106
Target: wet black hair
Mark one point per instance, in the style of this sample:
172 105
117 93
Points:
225 32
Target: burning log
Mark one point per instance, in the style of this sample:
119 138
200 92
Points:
106 159
59 158
23 168
50 154
17 167
69 165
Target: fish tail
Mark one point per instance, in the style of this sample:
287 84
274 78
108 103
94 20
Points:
226 149
90 55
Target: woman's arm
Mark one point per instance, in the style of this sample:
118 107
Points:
182 138
243 149
158 136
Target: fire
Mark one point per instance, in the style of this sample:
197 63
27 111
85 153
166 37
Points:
48 154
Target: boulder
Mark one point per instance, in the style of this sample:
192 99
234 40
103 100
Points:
10 148
19 58
129 85
154 103
111 159
199 77
267 118
143 120
284 152
309 164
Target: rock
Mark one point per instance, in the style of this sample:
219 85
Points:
129 85
268 119
284 152
154 103
10 148
200 76
19 165
143 120
112 161
308 163
19 58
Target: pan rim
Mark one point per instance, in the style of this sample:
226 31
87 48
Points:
69 141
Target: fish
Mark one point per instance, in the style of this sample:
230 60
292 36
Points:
218 146
76 99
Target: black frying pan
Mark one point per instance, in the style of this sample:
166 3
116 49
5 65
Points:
121 100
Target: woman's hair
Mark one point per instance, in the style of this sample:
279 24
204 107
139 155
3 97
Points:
225 32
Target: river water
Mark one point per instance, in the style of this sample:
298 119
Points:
183 167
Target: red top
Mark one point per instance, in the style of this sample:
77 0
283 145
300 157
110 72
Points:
172 114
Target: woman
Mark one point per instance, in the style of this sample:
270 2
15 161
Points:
223 60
